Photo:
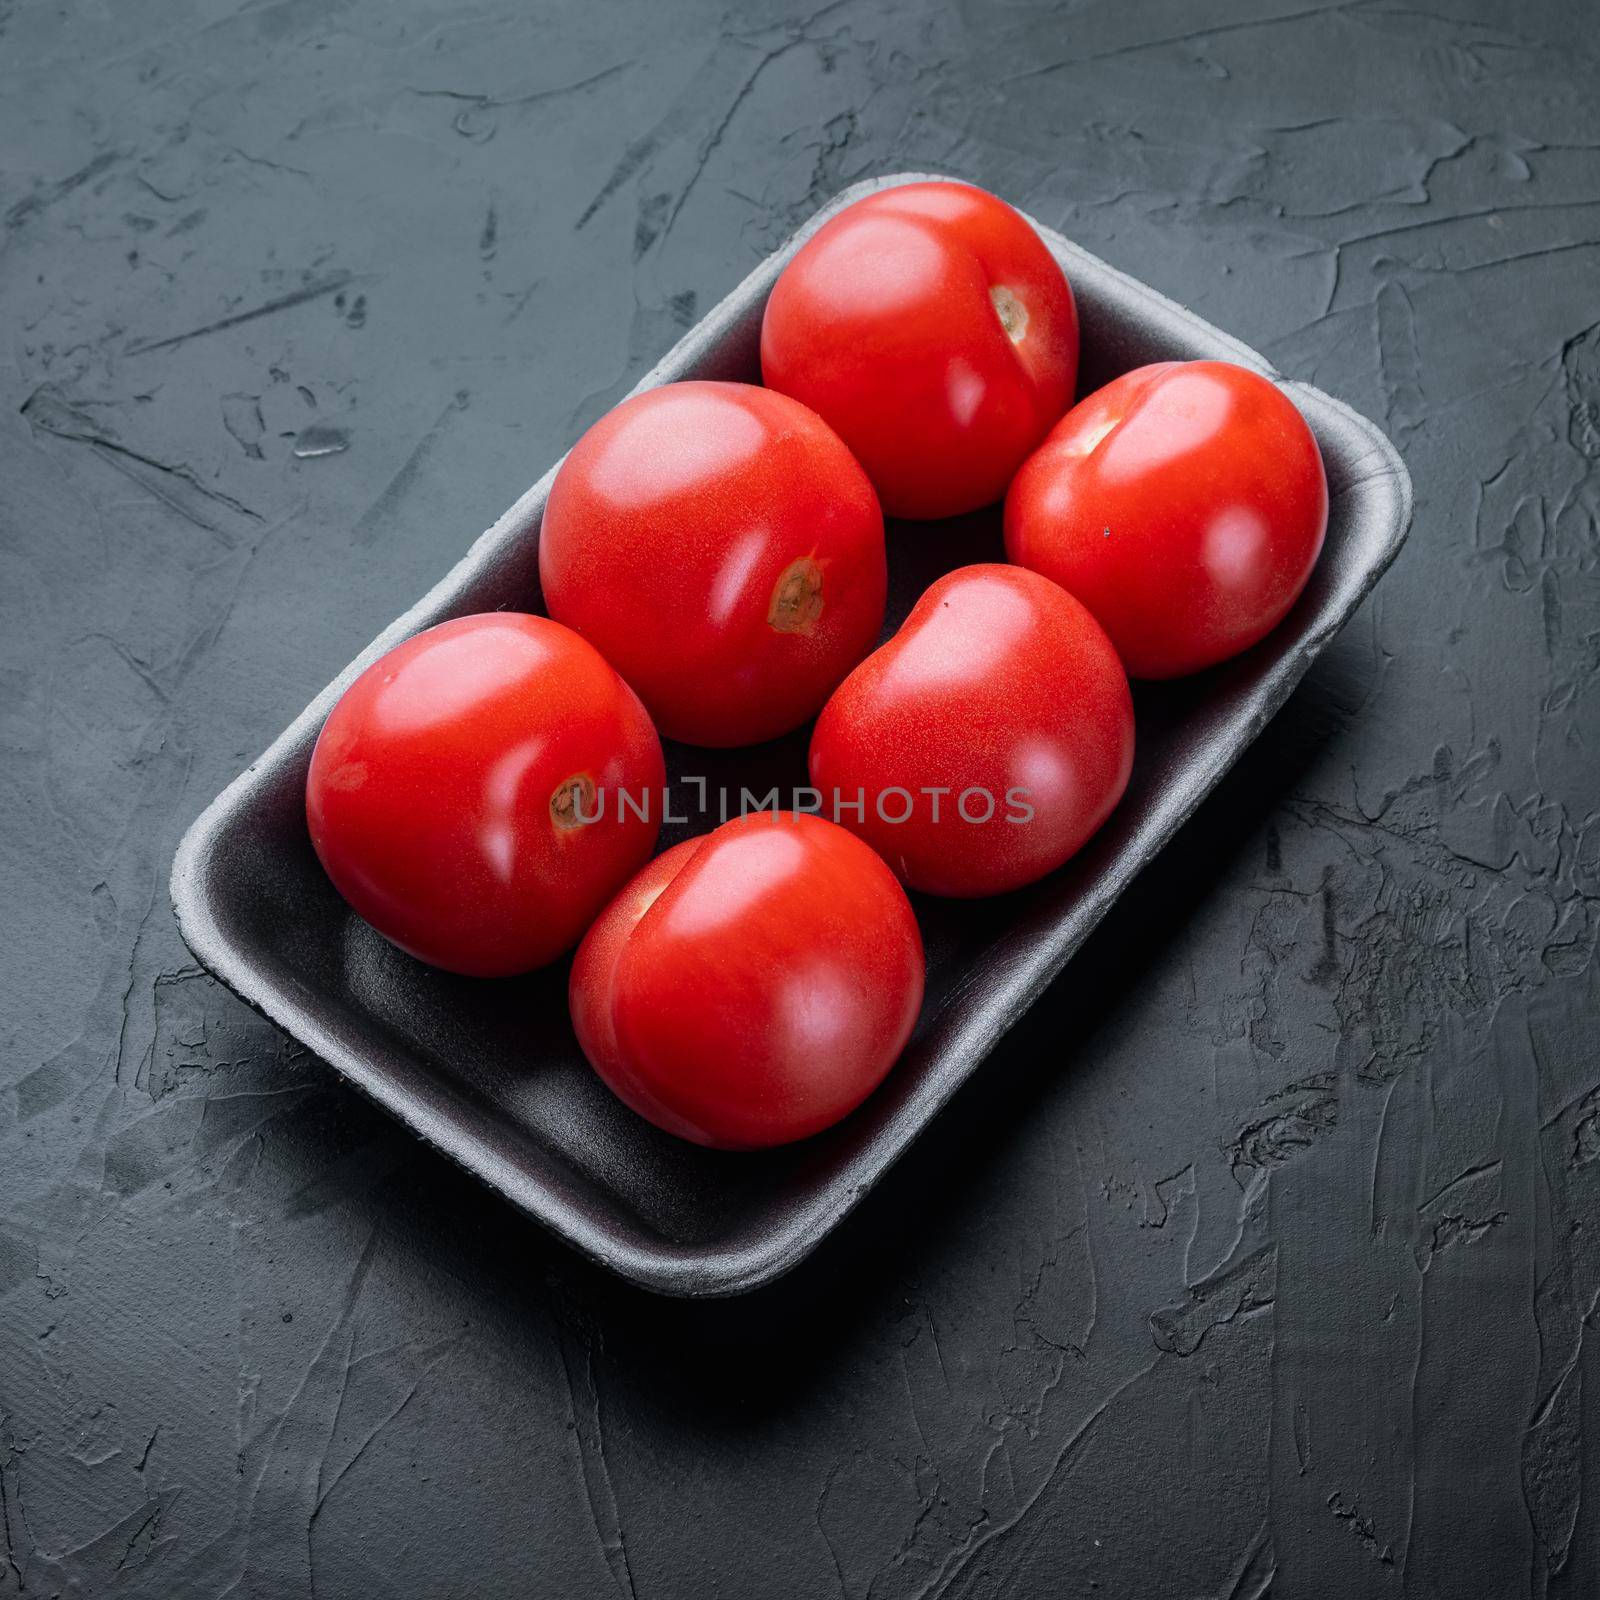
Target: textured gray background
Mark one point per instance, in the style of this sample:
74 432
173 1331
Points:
1264 1256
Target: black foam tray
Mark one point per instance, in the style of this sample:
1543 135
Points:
489 1072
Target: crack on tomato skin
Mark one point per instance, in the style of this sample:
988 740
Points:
1013 314
572 803
796 604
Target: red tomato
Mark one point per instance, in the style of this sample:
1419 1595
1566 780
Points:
930 326
723 550
466 793
753 986
1184 504
986 741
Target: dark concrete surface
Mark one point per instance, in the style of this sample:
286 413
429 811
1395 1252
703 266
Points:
1263 1258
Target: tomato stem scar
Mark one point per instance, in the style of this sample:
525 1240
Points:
796 597
1012 313
572 803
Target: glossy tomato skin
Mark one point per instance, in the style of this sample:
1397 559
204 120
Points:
464 794
724 551
1000 688
933 329
1185 504
753 986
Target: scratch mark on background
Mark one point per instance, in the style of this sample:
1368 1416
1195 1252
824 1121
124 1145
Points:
50 412
312 291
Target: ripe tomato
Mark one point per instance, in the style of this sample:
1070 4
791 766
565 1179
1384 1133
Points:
466 793
986 741
723 550
1184 504
933 329
753 986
